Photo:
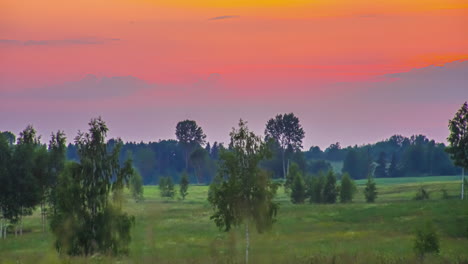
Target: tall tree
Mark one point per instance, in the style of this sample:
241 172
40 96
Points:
458 140
28 180
287 131
393 170
381 169
86 220
189 135
5 186
57 158
242 192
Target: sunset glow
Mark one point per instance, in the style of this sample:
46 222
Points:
222 60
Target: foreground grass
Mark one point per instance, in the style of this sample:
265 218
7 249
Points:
174 231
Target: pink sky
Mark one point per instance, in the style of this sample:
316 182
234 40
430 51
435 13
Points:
352 73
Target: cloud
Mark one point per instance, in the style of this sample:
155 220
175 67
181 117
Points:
90 87
223 17
58 42
432 84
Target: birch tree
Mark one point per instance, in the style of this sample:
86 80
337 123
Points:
243 194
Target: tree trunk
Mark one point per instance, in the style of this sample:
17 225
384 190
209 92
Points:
247 242
463 184
284 165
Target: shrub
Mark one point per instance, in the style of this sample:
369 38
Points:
426 240
445 194
422 194
370 192
347 189
184 183
166 187
298 189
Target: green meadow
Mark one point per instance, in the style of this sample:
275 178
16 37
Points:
176 231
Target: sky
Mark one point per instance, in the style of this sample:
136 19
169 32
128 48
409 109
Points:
354 72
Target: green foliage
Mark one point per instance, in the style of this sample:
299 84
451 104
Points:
315 186
422 194
357 163
243 192
381 169
136 186
190 135
166 187
287 132
458 138
370 191
347 189
329 188
292 173
298 188
184 184
86 221
426 240
445 194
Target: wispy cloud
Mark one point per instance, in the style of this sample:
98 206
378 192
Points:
223 17
58 42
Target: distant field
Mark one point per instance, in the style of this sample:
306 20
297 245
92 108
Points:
174 231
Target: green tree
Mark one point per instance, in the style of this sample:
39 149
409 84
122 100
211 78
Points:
315 187
458 140
86 220
292 173
329 188
6 189
298 189
287 132
393 170
184 184
347 189
189 135
426 240
370 191
27 180
198 158
243 193
166 187
381 169
136 186
57 158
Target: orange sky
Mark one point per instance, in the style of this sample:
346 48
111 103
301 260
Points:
256 47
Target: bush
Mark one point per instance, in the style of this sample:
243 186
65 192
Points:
426 240
347 189
184 183
166 187
370 192
445 194
422 194
298 189
136 186
315 188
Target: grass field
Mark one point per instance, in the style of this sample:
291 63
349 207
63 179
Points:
174 231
